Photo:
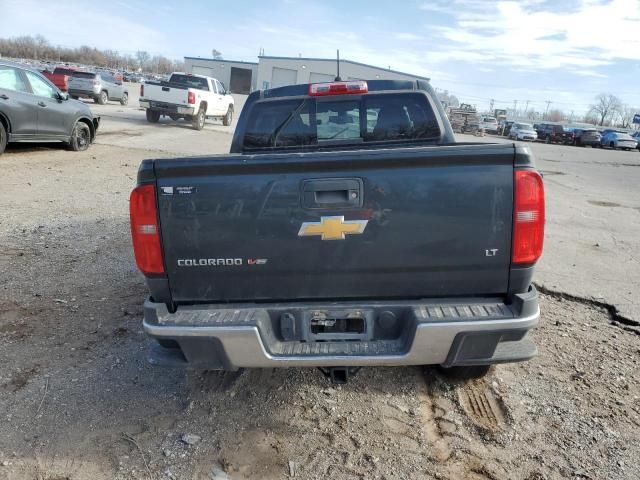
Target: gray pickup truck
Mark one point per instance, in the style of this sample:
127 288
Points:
346 228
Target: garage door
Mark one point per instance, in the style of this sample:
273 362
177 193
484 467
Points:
283 76
315 77
240 80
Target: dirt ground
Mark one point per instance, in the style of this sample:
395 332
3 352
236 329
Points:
79 401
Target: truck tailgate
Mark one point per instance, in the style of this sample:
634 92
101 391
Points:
417 222
166 94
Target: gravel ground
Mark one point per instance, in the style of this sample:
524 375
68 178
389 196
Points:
79 401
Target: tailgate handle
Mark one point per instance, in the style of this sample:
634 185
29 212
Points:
165 89
332 193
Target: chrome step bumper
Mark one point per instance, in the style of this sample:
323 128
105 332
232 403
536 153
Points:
447 332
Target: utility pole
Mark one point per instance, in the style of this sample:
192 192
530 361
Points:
526 108
515 108
548 102
491 103
571 117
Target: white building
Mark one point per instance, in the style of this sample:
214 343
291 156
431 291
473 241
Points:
238 77
271 72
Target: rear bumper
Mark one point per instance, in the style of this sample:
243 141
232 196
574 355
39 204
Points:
446 332
83 93
167 108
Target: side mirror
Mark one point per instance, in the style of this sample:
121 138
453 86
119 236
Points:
62 96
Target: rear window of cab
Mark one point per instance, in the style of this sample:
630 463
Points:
309 122
89 75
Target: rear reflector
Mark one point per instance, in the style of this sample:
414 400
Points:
142 90
338 88
144 230
191 98
528 218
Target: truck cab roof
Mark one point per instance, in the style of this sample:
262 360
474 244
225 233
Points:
302 89
360 114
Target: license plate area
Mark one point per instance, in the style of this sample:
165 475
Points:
338 325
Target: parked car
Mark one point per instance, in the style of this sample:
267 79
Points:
33 109
505 127
489 124
188 96
421 255
620 140
101 87
554 133
522 131
586 136
59 77
132 77
636 137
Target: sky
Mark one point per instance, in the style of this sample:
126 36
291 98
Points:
564 51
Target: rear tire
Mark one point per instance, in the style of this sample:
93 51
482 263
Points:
198 120
75 97
103 98
80 137
152 116
612 145
547 139
3 138
228 118
125 99
467 372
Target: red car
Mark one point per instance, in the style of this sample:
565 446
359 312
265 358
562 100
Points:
60 76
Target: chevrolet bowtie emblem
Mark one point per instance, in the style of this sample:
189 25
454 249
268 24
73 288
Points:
332 228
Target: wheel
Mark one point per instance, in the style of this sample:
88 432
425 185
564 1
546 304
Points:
198 120
125 99
152 116
80 137
3 138
228 118
102 98
547 139
75 97
468 372
612 145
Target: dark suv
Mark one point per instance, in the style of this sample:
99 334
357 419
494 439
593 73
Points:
586 136
554 133
33 109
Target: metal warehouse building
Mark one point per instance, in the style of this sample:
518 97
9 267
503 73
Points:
239 77
271 72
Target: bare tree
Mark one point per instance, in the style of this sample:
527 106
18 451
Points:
626 115
216 54
143 57
606 107
556 115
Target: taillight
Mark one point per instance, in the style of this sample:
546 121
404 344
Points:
145 231
338 88
191 98
528 217
142 90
